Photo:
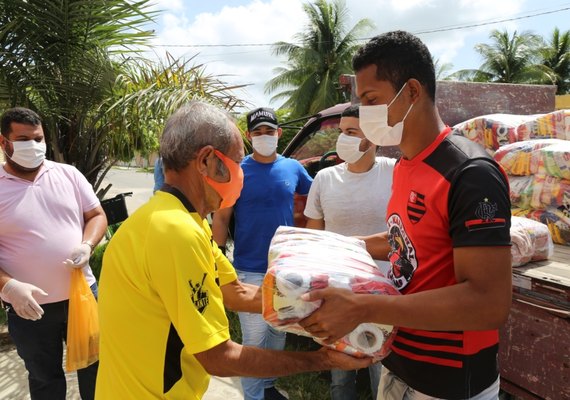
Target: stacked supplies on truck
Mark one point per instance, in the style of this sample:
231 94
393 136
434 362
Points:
535 152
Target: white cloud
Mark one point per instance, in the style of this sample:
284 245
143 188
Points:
279 20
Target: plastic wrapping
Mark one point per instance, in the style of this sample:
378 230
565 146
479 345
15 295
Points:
531 241
522 158
556 219
538 191
302 260
552 125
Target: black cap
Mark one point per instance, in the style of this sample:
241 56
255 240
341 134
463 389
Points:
261 116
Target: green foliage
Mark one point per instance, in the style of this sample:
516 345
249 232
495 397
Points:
508 59
556 59
96 260
310 79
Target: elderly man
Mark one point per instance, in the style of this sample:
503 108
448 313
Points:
164 280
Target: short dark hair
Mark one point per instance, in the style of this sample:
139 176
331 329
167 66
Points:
19 115
398 56
351 111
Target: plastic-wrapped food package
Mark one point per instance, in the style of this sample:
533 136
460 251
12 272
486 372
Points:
522 158
556 219
552 125
555 160
491 131
302 260
531 241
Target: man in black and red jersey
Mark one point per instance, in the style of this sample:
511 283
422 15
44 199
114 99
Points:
448 238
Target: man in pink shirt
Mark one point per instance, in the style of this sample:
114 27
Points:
50 221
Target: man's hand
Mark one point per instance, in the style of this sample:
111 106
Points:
21 296
79 256
335 318
340 360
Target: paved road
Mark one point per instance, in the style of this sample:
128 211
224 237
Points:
13 375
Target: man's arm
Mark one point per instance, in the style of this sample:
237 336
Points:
220 225
480 300
239 296
377 245
232 359
315 224
95 225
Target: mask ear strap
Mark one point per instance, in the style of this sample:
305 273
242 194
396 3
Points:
397 94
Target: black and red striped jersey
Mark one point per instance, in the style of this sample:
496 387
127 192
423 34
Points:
452 194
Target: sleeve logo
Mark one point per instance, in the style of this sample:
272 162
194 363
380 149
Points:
200 296
485 213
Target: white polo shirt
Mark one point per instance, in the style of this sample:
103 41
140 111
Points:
40 224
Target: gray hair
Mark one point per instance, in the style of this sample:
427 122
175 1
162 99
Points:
192 127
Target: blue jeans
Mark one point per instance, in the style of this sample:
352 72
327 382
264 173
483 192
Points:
40 344
343 383
256 332
393 388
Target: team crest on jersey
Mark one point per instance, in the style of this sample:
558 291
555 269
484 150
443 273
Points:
485 213
416 206
200 296
403 261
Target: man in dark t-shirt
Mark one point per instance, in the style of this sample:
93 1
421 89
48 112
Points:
448 238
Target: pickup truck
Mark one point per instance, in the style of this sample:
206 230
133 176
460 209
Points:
535 341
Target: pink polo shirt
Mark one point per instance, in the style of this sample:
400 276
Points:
40 224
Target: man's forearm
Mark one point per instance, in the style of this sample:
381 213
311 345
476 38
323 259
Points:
239 296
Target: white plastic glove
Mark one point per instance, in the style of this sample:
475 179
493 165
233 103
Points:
79 256
21 296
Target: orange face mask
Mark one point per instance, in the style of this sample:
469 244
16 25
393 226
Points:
228 191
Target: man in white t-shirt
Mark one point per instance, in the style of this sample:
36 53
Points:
351 199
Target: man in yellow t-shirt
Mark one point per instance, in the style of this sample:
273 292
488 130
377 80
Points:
164 281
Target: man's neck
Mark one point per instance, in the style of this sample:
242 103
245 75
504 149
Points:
420 135
26 175
264 159
365 164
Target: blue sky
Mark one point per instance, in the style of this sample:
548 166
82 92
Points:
208 24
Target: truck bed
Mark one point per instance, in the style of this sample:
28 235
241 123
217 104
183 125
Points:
534 350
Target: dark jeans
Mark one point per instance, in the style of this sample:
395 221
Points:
40 344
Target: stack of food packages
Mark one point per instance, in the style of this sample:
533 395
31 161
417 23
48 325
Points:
535 152
302 260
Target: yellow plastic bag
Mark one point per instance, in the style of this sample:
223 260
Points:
82 324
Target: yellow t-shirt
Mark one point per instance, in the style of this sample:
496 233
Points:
159 303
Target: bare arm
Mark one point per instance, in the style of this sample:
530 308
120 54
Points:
239 296
480 300
232 359
220 223
377 245
315 224
95 225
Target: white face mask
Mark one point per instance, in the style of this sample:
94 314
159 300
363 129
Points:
28 154
374 124
265 145
348 148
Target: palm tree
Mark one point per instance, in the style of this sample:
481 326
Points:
509 59
71 61
556 57
57 57
310 79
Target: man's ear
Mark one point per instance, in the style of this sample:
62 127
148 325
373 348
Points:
415 90
202 157
279 132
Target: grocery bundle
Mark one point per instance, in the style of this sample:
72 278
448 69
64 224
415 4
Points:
530 240
534 151
302 260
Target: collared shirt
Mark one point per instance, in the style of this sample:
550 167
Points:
41 222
